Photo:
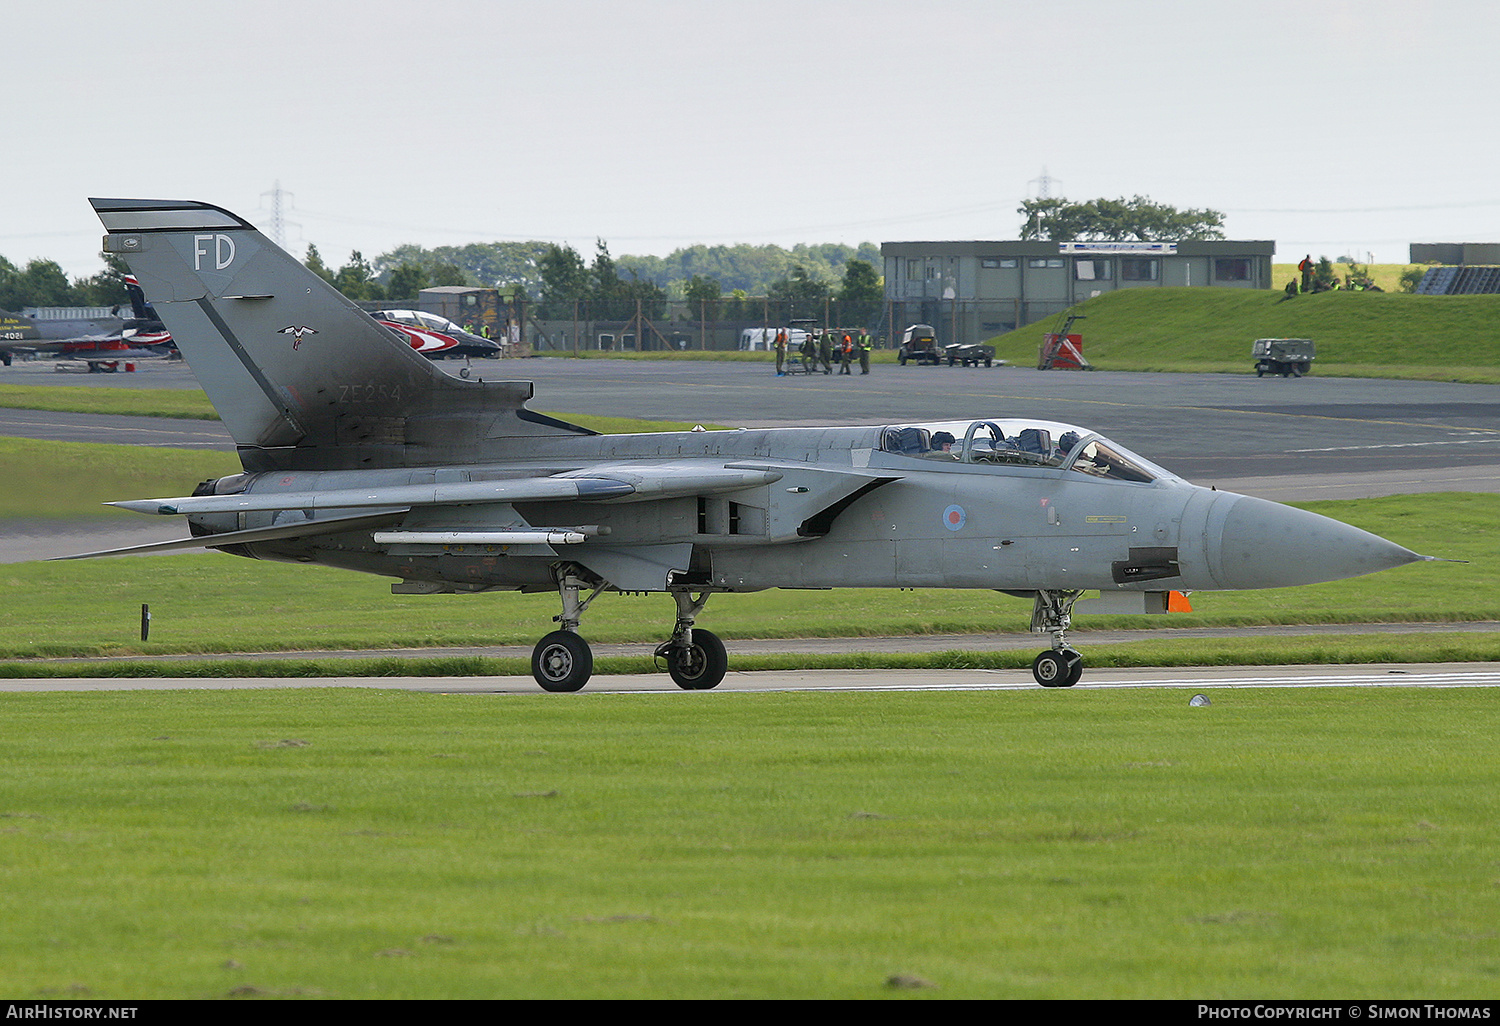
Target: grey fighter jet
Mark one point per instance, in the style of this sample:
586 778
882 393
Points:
359 453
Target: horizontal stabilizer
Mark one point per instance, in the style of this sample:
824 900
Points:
302 529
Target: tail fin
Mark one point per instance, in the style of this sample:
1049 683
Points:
300 375
138 305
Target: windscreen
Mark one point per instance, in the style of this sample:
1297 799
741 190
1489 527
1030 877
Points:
1019 442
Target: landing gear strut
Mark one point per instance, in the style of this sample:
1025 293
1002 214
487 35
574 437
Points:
1059 666
695 658
562 661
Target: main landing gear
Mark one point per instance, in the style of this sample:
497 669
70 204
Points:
1059 666
563 661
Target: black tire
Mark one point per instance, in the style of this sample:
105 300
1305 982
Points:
1057 668
562 661
901 358
703 665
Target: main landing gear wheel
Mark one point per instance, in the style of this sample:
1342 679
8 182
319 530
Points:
1057 668
699 665
562 661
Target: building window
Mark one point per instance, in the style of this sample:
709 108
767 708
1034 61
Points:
1091 269
1044 262
1232 269
1139 269
913 269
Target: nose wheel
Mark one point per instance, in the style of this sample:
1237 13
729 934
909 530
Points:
1059 666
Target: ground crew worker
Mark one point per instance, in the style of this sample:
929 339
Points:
780 346
809 353
825 352
1306 267
846 354
865 344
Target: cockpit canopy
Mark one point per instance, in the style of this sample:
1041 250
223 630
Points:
1019 442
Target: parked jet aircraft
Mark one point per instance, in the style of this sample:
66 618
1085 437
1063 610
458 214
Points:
141 337
359 453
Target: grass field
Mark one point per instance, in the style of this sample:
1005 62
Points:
346 844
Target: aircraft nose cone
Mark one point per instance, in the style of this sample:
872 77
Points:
1267 545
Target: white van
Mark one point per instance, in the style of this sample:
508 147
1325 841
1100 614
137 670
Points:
753 339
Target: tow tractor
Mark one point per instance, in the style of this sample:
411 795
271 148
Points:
1289 357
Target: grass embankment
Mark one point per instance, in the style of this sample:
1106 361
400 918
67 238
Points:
370 844
1358 334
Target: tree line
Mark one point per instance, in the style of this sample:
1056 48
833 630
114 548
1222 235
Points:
44 283
1115 220
558 277
524 267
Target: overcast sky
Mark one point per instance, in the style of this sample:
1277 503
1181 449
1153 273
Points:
1327 126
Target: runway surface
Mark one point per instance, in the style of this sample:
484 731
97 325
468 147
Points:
1214 682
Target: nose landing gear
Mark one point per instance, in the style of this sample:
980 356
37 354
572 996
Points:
1059 666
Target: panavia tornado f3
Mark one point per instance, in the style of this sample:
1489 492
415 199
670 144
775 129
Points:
360 453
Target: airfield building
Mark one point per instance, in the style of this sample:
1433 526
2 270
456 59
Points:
971 291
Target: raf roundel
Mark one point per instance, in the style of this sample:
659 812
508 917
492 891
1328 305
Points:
954 517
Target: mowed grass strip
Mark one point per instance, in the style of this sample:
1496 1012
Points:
72 480
193 404
371 844
177 403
